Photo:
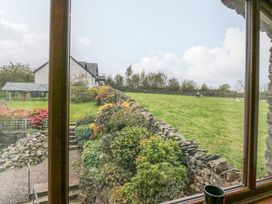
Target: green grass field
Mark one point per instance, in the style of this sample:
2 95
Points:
215 123
76 109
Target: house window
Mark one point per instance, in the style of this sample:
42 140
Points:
248 187
251 179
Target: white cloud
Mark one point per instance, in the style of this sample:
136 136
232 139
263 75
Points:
83 40
19 43
2 13
213 66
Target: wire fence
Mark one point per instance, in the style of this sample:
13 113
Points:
18 124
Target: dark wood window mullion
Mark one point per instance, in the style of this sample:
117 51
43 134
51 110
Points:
58 161
251 92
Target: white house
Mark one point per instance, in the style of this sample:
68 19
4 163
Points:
88 70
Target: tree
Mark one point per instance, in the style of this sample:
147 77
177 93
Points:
119 81
79 89
128 74
204 87
161 80
109 81
144 83
173 84
157 80
135 81
15 73
224 88
188 86
240 86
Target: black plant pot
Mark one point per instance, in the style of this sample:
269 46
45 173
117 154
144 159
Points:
214 195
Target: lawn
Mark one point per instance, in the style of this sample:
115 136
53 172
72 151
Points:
215 123
76 109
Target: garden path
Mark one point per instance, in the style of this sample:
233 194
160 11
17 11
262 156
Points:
13 182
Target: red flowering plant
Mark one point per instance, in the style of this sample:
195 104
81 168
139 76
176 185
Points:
38 118
7 114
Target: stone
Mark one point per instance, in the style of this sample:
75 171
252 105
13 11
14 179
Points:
210 158
29 149
232 176
15 158
219 165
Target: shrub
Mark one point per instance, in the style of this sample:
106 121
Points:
103 94
125 147
105 113
155 183
116 195
7 114
122 195
96 130
123 118
87 119
93 155
39 118
80 93
82 133
113 174
79 89
155 150
106 141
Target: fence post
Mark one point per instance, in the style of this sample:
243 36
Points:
25 124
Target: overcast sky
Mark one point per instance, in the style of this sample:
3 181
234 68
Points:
194 39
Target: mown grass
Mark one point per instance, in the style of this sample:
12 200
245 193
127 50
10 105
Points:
77 110
215 123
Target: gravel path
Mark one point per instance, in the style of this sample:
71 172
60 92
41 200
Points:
13 182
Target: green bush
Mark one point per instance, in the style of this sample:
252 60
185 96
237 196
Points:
125 146
85 120
155 150
80 93
155 183
123 118
105 115
123 195
82 133
93 154
113 174
106 140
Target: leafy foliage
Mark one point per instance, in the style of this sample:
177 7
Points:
114 174
156 183
103 94
79 89
92 154
87 119
82 133
125 147
38 118
156 150
122 118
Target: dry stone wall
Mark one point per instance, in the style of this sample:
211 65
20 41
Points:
31 149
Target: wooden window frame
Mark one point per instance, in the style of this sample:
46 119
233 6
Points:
58 151
58 123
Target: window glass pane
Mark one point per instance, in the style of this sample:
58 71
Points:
184 66
23 99
264 133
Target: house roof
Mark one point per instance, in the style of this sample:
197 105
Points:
91 68
26 86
